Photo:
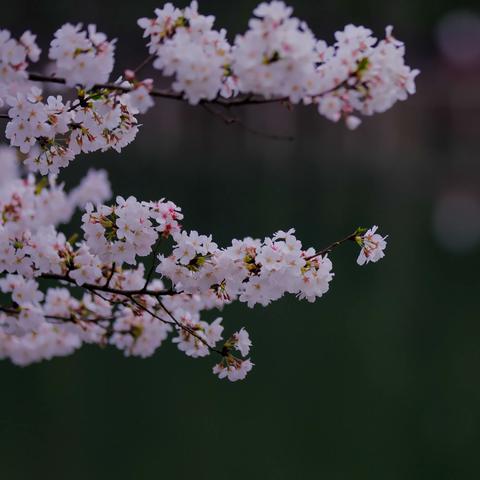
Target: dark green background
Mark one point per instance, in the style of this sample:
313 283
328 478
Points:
378 380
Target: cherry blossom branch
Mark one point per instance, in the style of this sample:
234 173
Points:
334 245
239 101
130 295
164 93
278 60
108 289
176 323
15 311
38 77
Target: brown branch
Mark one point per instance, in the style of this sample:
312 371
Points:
239 101
166 93
188 329
333 245
108 289
227 119
71 319
260 133
154 263
230 120
157 294
175 322
110 275
8 310
130 295
143 64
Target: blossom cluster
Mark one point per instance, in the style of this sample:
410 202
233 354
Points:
230 366
186 46
129 229
15 56
51 134
124 304
277 58
82 57
250 270
280 57
132 277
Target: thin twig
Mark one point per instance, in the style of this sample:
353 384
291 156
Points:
8 310
175 322
227 119
71 319
107 289
110 276
188 329
130 295
166 93
260 133
154 263
230 120
143 64
332 246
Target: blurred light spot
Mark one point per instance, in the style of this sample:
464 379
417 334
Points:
456 221
458 38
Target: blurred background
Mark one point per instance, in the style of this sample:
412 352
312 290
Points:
379 379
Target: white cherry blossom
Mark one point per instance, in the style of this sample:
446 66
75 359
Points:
132 277
372 246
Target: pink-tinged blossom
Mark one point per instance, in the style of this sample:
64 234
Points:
83 57
187 47
52 134
372 246
15 56
202 275
233 369
94 188
277 57
126 304
251 271
242 342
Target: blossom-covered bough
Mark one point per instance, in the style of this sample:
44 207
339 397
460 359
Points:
60 293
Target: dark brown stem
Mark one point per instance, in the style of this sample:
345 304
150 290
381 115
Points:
244 100
130 296
174 322
151 270
227 119
188 329
16 311
239 101
110 276
108 289
8 310
230 120
142 65
332 246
